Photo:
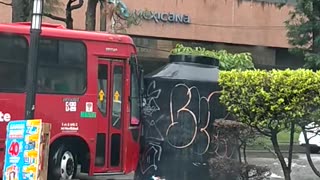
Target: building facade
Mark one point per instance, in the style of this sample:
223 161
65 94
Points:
234 25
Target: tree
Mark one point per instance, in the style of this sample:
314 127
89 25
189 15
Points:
103 15
313 129
114 16
304 35
304 31
272 102
227 61
91 15
21 9
68 20
228 137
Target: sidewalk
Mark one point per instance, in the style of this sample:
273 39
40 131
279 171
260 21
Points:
284 147
258 152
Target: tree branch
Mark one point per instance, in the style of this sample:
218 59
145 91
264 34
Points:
310 161
277 150
76 6
262 132
291 146
54 17
7 4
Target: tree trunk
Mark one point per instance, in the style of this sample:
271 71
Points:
239 154
245 153
315 31
91 15
20 10
69 23
103 15
110 13
315 34
277 150
69 19
291 146
246 177
313 167
70 7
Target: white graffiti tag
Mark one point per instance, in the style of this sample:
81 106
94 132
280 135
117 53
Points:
199 123
150 157
150 104
152 131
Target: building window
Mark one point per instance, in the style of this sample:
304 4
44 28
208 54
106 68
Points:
103 87
13 63
145 42
275 1
117 94
62 67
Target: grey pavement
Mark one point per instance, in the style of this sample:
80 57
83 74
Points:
300 167
118 177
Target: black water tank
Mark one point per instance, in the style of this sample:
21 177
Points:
179 109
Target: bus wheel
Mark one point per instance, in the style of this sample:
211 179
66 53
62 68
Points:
62 163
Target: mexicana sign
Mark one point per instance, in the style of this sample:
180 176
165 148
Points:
162 17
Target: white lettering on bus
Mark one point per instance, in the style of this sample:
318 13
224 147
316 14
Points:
5 117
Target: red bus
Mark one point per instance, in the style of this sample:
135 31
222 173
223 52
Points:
89 89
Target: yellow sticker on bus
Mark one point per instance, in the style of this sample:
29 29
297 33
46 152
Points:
101 95
116 96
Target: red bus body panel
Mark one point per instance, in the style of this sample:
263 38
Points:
51 108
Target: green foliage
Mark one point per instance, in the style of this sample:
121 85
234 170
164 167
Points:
271 100
228 61
303 34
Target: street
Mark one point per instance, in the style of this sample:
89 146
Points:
300 167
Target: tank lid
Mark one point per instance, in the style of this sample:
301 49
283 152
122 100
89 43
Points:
194 59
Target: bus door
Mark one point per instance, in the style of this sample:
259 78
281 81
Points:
110 103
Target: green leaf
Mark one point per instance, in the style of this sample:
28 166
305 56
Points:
272 100
227 61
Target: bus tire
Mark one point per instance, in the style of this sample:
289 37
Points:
62 163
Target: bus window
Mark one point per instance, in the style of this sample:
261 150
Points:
102 86
135 94
117 96
13 63
62 67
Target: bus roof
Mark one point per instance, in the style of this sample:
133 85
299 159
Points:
55 30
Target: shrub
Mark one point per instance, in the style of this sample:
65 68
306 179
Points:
228 61
272 102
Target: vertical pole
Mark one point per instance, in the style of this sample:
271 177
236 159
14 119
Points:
32 69
32 74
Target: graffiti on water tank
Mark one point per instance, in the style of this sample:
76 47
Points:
190 122
181 103
150 103
221 147
183 125
150 157
153 132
